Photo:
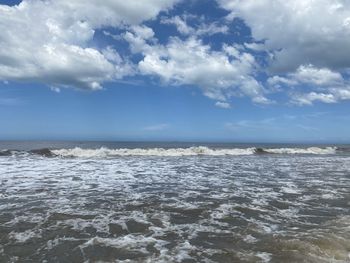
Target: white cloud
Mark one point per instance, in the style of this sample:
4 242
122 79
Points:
341 94
309 98
51 42
202 28
331 95
309 75
115 12
326 86
180 24
255 46
220 74
308 42
277 81
317 76
224 105
299 32
48 41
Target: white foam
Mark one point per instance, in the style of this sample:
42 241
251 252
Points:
329 196
310 150
23 237
290 190
146 189
192 151
183 252
265 257
250 239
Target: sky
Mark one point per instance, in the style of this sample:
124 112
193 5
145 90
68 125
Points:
194 70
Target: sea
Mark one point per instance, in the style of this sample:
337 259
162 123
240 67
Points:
174 202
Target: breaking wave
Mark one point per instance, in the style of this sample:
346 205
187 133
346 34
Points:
192 151
310 150
171 152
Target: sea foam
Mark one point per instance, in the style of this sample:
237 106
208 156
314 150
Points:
191 151
310 150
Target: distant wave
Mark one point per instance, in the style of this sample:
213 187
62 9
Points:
310 150
192 151
172 152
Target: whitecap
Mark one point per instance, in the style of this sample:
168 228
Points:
192 151
310 150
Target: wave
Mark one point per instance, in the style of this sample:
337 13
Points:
310 150
343 149
5 153
44 152
171 152
192 151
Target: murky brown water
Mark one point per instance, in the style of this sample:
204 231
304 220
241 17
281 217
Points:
251 208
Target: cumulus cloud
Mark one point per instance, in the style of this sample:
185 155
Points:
220 74
309 84
309 74
317 76
224 105
298 32
49 41
52 42
199 29
331 95
309 98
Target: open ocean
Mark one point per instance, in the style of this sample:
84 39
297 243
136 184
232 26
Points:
173 202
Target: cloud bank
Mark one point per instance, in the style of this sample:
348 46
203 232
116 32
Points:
49 41
308 42
293 49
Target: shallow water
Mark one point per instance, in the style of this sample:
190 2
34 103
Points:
196 208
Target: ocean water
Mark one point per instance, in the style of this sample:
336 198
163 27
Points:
173 202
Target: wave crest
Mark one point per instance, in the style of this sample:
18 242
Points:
310 150
192 151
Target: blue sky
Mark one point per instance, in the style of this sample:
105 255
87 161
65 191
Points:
225 70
